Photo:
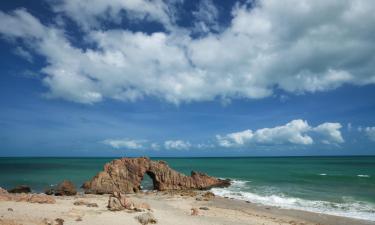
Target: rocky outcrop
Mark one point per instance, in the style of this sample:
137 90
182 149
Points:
125 176
118 201
20 189
65 188
146 218
23 197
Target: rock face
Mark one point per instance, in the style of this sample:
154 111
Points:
125 176
20 189
64 188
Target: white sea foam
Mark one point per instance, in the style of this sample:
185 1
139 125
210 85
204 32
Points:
350 207
363 175
323 174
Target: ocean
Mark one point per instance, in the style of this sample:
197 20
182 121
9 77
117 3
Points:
343 186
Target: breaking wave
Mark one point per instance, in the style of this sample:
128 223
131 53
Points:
363 175
349 208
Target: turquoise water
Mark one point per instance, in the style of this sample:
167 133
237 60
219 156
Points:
335 185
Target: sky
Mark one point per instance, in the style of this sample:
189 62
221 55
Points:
187 78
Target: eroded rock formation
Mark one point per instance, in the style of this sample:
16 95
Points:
65 188
125 176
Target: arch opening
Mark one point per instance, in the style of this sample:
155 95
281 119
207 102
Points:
149 182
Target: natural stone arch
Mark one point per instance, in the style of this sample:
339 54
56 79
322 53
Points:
152 176
125 175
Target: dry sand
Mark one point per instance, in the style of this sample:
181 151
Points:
167 209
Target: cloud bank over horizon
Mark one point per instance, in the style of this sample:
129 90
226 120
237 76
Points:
296 132
268 46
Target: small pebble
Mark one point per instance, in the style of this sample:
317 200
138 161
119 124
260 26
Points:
194 212
59 221
204 208
10 209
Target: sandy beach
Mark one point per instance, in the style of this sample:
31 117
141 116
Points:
167 208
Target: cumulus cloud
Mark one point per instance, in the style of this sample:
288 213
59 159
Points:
125 143
292 133
297 132
370 132
272 45
236 138
330 132
177 145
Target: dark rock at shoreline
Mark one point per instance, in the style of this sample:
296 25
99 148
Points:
25 197
3 191
65 188
20 189
125 176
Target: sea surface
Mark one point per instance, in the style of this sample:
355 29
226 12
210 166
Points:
342 186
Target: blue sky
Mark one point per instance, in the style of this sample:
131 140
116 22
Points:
187 78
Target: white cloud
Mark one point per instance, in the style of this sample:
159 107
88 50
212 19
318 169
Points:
292 133
370 132
204 146
155 146
125 143
233 139
23 53
296 132
330 132
206 17
274 45
142 144
20 23
177 145
89 13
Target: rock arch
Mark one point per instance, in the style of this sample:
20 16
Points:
152 176
125 175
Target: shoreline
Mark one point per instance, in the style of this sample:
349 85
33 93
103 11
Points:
313 217
168 208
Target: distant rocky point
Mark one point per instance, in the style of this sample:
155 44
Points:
125 175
